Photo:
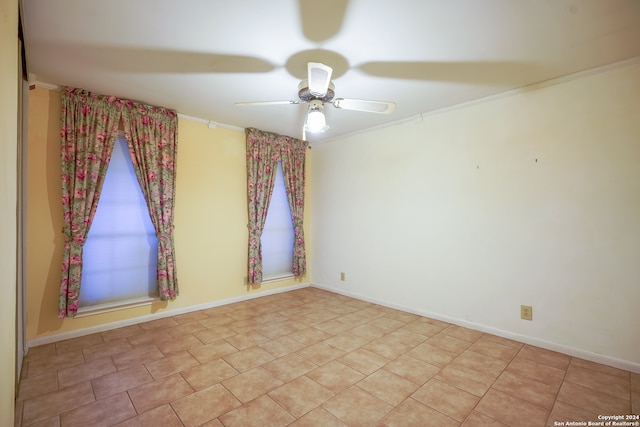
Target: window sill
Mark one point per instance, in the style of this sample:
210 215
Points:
115 306
275 279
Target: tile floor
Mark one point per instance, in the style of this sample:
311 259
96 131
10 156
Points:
311 358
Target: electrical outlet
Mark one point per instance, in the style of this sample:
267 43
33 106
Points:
526 312
342 276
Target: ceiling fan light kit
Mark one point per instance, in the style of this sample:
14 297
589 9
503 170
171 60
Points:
317 90
316 121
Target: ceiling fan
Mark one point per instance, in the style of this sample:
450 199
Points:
319 90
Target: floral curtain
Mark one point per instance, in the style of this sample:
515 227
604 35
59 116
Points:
262 162
89 126
151 134
264 150
292 156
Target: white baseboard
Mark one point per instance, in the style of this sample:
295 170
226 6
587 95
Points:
168 313
560 348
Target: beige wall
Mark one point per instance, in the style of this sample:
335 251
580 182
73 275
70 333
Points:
531 199
210 224
9 85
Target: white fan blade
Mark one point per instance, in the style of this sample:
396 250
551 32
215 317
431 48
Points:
381 107
251 104
319 78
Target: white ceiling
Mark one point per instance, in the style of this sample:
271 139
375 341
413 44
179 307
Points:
199 57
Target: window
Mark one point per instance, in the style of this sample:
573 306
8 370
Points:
120 253
277 236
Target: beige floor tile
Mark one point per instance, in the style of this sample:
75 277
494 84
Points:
214 333
596 380
154 336
368 331
158 324
412 369
120 381
78 344
212 423
280 329
353 319
139 355
249 358
318 417
204 405
476 419
448 343
281 346
59 361
364 361
190 318
538 393
335 376
635 393
37 386
107 349
500 340
433 355
50 422
475 383
592 400
289 367
511 410
493 349
563 412
599 367
55 403
251 384
388 386
185 328
246 325
406 337
44 351
327 359
333 326
105 412
159 392
320 353
246 340
635 381
300 396
208 374
387 347
545 357
423 328
462 333
355 407
261 412
17 411
414 414
402 316
310 336
477 362
212 351
171 364
449 400
536 371
85 372
179 344
346 341
387 324
121 333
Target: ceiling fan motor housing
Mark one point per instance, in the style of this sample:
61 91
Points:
305 94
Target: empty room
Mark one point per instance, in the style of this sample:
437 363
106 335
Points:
320 213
